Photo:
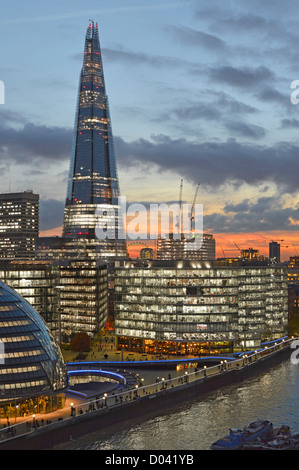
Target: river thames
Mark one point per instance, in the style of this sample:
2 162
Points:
195 425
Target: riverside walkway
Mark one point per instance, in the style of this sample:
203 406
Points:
78 406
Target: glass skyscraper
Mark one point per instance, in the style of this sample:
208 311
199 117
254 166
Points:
92 221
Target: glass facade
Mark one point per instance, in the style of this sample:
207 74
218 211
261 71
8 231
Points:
93 180
35 281
172 248
19 225
83 297
32 369
196 303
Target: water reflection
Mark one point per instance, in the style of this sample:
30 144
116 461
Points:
195 425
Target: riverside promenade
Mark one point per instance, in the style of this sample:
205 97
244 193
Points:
82 416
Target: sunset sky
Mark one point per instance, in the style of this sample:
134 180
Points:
198 90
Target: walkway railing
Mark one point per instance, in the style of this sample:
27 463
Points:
116 400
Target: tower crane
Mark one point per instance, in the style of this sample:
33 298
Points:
178 224
237 247
192 209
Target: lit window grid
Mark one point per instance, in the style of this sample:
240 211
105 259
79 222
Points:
152 308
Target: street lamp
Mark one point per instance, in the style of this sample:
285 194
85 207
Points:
16 407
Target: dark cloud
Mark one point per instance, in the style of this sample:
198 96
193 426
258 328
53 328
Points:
242 77
246 130
133 58
249 216
191 37
31 143
51 214
271 95
243 22
197 111
290 123
231 105
216 163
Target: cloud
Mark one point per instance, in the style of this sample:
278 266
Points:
31 143
290 123
191 37
215 163
246 130
51 214
242 77
134 58
249 216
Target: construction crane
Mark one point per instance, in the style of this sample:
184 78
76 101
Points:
237 247
192 209
178 224
296 251
223 251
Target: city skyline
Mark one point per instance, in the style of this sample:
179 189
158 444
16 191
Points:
195 92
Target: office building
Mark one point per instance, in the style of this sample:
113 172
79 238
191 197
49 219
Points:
274 252
92 220
173 248
33 375
35 281
83 297
198 307
19 225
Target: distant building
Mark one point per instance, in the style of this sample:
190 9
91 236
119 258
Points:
293 301
274 252
147 253
192 307
251 254
172 248
19 225
293 270
50 248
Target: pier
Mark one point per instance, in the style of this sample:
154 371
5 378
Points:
84 416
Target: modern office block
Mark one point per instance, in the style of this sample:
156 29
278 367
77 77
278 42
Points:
35 281
172 248
274 252
197 307
83 301
32 373
19 225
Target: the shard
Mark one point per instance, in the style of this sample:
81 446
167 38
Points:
92 220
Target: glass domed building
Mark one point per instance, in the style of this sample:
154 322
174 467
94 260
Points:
32 370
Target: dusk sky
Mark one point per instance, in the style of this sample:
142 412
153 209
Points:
198 90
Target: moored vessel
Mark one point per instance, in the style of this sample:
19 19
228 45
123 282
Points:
237 438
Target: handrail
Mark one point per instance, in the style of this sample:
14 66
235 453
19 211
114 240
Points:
139 391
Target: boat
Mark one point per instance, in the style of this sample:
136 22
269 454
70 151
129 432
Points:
281 439
237 437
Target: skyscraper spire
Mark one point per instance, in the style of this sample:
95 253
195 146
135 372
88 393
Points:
93 181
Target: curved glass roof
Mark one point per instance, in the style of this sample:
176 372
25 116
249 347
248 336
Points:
31 362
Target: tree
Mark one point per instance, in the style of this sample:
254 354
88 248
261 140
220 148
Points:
81 343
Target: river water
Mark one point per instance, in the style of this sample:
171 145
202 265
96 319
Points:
274 395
